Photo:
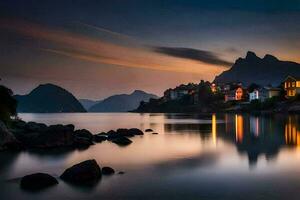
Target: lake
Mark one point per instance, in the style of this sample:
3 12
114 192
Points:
223 156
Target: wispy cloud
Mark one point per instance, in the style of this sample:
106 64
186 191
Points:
97 50
193 54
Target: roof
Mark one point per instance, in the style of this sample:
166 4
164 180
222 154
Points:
292 77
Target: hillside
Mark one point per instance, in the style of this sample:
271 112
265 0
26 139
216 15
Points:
48 98
252 69
122 102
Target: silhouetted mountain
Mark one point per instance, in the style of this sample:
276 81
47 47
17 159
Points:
122 102
87 103
48 98
252 69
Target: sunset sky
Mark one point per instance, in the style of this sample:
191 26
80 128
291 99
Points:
98 48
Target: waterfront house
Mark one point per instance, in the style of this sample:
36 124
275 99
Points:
292 86
179 92
237 94
264 93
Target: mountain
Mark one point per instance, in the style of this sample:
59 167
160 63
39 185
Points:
48 98
252 69
122 102
87 103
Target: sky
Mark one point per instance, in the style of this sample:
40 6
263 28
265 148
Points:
98 48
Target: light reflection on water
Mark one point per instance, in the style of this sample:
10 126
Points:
203 156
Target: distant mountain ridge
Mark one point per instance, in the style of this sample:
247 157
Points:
87 103
122 102
252 69
48 98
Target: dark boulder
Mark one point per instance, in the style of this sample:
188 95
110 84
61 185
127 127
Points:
84 173
112 135
122 141
37 181
7 139
135 131
108 171
149 130
125 132
100 138
84 134
37 135
121 172
36 127
154 133
82 143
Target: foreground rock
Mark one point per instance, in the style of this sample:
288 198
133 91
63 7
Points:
149 130
7 139
84 173
108 171
37 181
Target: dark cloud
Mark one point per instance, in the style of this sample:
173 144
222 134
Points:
193 54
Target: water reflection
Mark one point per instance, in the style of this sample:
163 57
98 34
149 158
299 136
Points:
262 135
197 154
252 135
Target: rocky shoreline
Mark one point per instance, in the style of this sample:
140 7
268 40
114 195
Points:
31 135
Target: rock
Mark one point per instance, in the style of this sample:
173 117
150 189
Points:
36 127
107 171
7 139
135 131
100 138
52 136
121 172
82 143
84 173
37 181
122 141
124 132
84 134
149 130
154 133
112 135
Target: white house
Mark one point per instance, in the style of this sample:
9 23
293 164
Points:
264 93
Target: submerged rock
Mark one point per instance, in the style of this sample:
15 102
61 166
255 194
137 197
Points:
100 138
107 171
122 141
85 173
83 133
124 132
37 181
149 130
135 131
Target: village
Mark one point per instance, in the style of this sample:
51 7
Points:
236 92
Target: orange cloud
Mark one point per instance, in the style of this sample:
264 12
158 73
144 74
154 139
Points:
99 51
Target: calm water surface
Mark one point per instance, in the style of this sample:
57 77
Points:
192 157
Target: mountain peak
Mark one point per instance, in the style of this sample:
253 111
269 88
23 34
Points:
138 92
251 55
269 57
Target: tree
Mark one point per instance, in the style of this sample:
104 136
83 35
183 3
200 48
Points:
8 104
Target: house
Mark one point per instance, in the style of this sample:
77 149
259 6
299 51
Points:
292 86
235 95
264 93
179 92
